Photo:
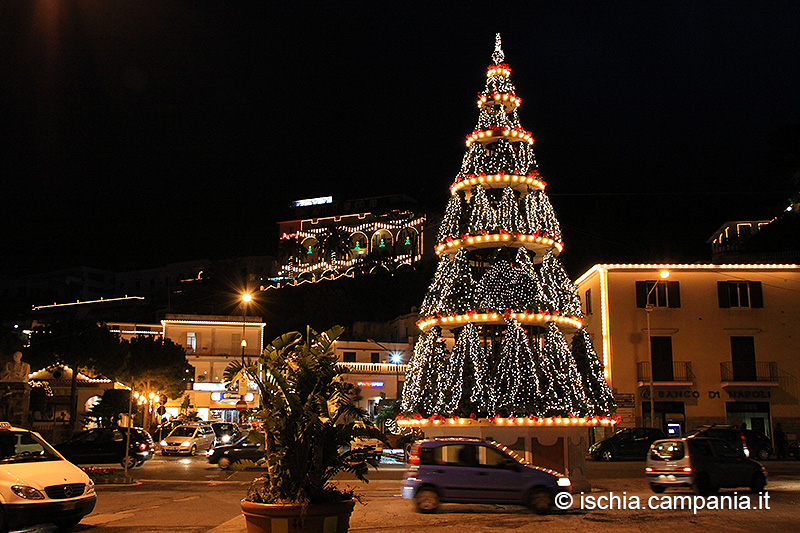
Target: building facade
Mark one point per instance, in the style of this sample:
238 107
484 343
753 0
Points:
211 343
714 343
331 238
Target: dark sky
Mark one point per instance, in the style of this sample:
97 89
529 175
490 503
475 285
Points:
137 133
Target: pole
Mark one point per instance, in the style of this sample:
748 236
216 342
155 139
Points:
648 308
130 427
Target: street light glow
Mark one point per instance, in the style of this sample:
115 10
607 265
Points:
664 274
246 297
395 358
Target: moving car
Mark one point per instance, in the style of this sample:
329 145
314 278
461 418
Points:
188 438
628 443
37 485
107 445
702 463
225 456
467 470
225 432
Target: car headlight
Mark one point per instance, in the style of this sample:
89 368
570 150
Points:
29 493
164 443
564 482
226 438
186 443
594 446
90 487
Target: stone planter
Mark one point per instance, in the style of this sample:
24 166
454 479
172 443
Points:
319 518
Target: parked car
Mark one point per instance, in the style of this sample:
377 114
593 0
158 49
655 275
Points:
189 438
225 432
733 436
466 470
38 485
628 443
793 449
758 444
107 445
373 445
704 464
225 456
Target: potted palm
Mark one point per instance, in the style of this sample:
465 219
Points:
307 422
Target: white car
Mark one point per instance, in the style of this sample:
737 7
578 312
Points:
37 485
189 439
374 446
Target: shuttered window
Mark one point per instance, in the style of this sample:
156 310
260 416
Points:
740 294
658 293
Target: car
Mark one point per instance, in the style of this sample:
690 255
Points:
732 435
225 456
704 464
38 485
793 449
758 444
108 445
628 443
469 470
373 446
189 439
225 432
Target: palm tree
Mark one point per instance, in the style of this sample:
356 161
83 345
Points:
335 244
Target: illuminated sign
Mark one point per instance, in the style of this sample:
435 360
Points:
369 383
314 201
287 236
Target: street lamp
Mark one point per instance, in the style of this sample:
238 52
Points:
395 358
246 297
648 309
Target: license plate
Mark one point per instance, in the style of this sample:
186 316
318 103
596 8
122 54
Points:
68 506
667 477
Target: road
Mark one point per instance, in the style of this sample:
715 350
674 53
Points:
189 495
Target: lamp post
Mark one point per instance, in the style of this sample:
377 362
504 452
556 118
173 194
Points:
394 357
246 297
648 309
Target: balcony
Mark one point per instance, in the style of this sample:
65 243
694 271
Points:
749 373
375 368
677 374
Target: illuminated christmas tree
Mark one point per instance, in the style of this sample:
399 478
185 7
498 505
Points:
500 296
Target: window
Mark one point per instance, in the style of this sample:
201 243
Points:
658 294
587 300
191 342
743 358
375 357
740 294
661 352
349 357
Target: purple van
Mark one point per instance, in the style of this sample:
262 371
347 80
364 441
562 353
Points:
469 470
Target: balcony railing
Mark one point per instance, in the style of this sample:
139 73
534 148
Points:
678 371
749 371
375 368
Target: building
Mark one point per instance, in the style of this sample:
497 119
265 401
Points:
377 368
211 343
333 238
724 342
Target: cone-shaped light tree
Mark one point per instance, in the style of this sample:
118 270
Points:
500 289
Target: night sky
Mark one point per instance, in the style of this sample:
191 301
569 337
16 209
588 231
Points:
140 133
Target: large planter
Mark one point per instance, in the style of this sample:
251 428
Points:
285 518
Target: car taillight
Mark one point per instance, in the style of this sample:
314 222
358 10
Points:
648 469
142 446
687 468
413 458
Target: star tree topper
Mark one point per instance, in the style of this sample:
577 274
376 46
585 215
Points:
498 56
